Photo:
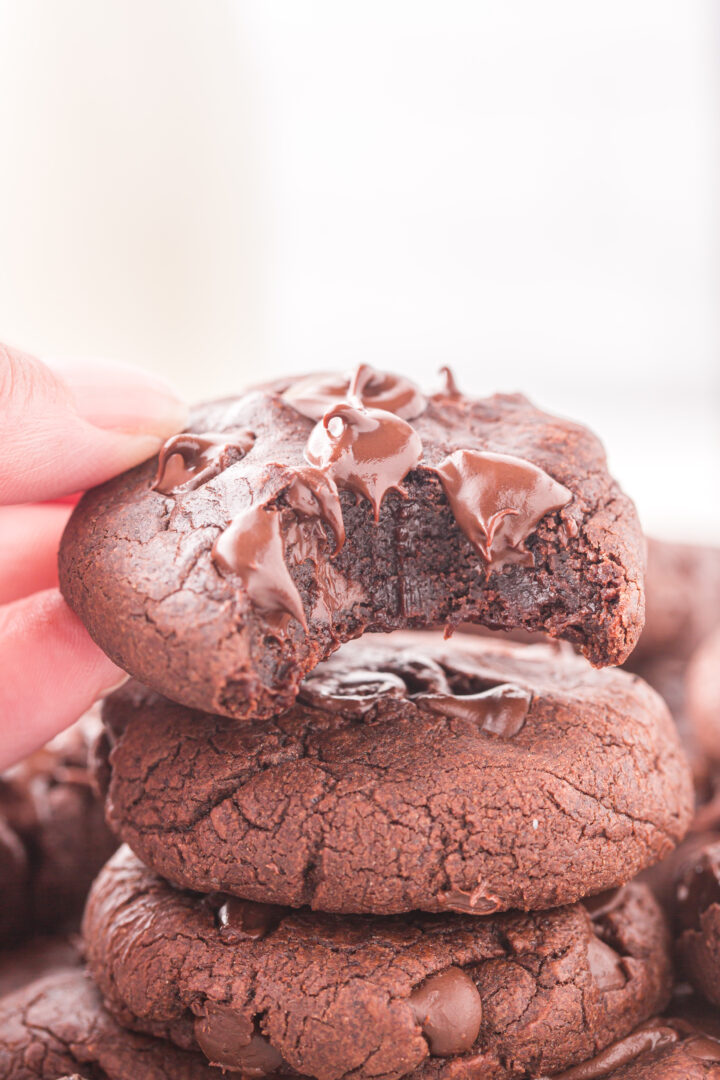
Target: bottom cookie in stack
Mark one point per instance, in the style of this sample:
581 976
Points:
261 989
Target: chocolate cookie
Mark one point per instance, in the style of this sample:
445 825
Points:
698 918
58 1025
682 594
703 695
297 517
361 997
662 1049
411 774
53 821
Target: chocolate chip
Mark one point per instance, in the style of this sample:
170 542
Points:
448 1009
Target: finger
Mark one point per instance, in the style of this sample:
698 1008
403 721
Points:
50 672
29 541
69 426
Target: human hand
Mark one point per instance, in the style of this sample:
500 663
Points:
64 426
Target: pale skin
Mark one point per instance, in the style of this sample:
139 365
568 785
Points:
64 427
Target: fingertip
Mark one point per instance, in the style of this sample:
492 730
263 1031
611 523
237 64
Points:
121 397
51 672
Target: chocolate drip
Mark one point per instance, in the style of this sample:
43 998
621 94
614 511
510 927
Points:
450 387
229 1040
498 501
315 395
188 460
652 1036
352 691
313 494
368 451
252 549
448 1008
500 711
477 902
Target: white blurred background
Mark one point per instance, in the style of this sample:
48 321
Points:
226 189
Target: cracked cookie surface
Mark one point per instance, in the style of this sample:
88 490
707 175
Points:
411 774
155 577
58 1025
334 997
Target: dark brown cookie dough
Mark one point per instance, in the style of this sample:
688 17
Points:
53 836
226 576
703 695
58 1026
682 599
380 998
411 774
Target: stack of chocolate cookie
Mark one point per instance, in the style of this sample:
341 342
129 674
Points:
404 858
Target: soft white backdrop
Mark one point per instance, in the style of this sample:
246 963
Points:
526 191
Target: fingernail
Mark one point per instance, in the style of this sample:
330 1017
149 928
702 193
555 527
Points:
121 397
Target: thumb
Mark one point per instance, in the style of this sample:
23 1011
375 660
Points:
68 425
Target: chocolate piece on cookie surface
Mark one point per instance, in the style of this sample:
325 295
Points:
270 533
411 773
353 996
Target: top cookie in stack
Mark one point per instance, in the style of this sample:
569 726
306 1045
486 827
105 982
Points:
307 512
386 863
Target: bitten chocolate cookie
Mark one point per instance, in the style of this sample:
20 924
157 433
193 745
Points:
353 996
53 836
58 1026
661 1049
682 594
697 913
302 515
411 774
703 695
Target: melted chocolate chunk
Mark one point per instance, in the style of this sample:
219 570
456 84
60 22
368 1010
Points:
423 675
698 888
498 501
703 1048
477 902
368 451
448 1009
188 460
651 1036
230 1042
357 689
312 494
317 394
252 548
606 967
240 920
499 711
